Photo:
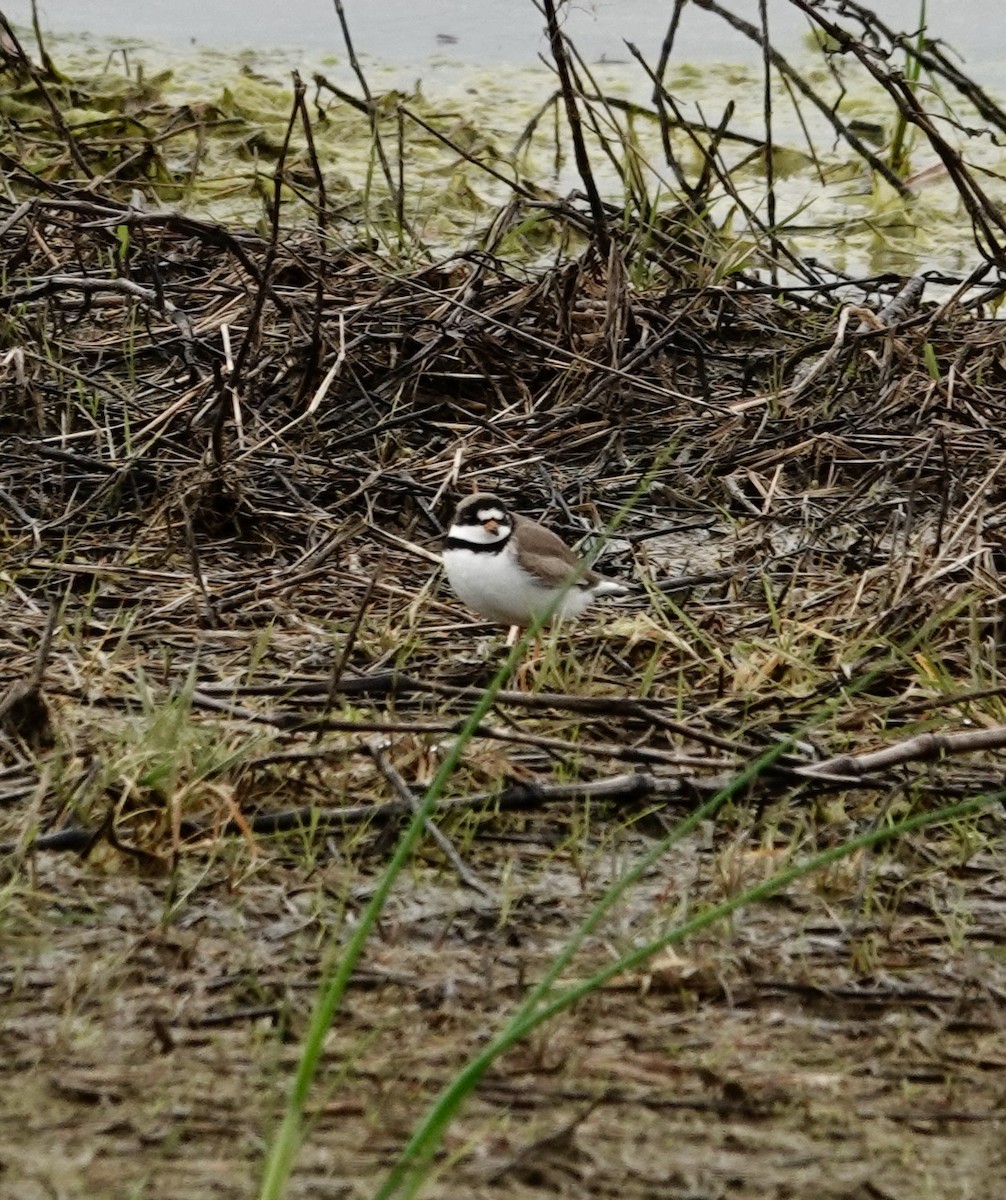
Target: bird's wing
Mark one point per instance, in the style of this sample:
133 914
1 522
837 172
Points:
547 555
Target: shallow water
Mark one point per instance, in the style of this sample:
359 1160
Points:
474 31
482 62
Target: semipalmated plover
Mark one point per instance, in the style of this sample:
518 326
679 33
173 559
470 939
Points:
511 569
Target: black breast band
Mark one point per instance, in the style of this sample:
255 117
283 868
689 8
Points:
454 543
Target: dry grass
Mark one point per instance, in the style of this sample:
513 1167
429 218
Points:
207 544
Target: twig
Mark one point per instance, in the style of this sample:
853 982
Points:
984 213
350 640
558 46
373 114
922 747
390 772
827 110
629 788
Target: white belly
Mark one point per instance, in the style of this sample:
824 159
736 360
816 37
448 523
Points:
495 586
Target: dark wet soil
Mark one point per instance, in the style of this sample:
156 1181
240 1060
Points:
842 1040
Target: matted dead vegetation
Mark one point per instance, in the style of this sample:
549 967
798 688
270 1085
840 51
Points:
229 669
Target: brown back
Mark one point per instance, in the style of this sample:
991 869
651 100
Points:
545 553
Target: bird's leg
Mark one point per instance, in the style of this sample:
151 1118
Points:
527 667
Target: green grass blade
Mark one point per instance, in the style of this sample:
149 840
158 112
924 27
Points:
407 1177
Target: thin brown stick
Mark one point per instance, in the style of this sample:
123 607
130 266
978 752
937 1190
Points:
394 777
923 747
627 788
558 47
